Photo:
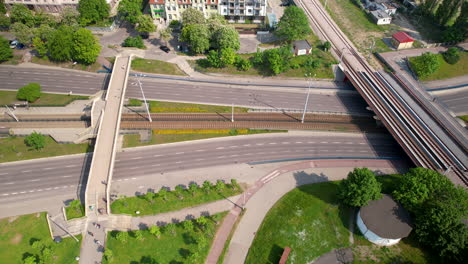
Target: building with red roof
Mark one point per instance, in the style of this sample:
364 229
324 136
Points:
401 40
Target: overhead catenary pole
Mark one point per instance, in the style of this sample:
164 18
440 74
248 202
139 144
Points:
144 99
307 98
232 112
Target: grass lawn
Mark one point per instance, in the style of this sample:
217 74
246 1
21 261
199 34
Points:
13 148
156 138
448 70
69 65
324 71
157 204
18 233
464 118
156 66
316 224
47 99
168 248
171 107
74 212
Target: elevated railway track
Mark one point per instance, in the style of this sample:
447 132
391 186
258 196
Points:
422 138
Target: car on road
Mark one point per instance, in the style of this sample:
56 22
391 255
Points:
165 49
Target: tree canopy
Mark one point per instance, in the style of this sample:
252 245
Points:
293 25
20 13
359 188
93 11
425 65
197 36
86 47
145 24
130 10
60 44
225 37
30 92
5 52
69 16
418 185
22 32
192 16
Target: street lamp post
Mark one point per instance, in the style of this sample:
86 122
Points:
232 112
307 98
144 99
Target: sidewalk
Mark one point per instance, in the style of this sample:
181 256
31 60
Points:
266 191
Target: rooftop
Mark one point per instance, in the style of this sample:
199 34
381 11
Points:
402 37
386 218
301 44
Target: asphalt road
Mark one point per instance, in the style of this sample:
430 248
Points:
457 102
63 81
42 178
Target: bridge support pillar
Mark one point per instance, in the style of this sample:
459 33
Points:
339 74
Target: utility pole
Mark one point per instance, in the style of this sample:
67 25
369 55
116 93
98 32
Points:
144 99
232 113
307 98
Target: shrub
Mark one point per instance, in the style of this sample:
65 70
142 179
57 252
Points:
30 92
136 42
5 52
425 64
35 140
359 188
243 64
452 55
174 24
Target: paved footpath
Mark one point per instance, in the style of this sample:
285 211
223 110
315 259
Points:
265 192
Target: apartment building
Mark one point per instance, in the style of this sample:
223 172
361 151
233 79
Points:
233 10
49 6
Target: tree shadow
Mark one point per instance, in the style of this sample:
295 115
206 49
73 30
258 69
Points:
275 254
184 252
188 238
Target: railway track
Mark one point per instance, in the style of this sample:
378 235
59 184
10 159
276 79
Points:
416 137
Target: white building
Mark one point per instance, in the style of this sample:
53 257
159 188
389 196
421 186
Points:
49 6
384 222
380 17
233 10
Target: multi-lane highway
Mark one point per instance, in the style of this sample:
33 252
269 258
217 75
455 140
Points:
63 81
45 177
457 102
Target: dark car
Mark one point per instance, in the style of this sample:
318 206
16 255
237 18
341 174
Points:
165 49
285 4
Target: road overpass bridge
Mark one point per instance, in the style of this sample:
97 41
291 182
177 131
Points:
427 141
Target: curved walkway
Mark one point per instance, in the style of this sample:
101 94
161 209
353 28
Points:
265 192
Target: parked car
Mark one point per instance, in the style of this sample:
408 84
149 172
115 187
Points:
165 49
13 44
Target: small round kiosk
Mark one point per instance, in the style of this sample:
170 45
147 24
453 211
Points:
384 222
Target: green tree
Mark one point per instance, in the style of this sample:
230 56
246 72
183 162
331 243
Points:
220 186
69 17
234 184
86 47
243 64
44 32
188 225
359 188
30 92
326 45
214 59
42 18
149 196
179 192
171 228
155 231
227 56
145 24
163 193
130 10
20 13
30 260
22 32
440 224
5 21
207 186
108 254
201 242
225 37
166 34
425 64
202 222
2 7
139 235
122 236
418 185
61 44
193 188
5 52
93 11
452 55
40 46
273 61
197 36
192 16
193 258
136 42
35 140
293 25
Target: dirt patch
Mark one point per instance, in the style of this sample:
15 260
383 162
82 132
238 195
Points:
38 215
12 219
16 239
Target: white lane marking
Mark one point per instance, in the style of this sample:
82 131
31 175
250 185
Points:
235 155
199 150
336 142
31 191
220 148
220 157
35 180
26 171
178 162
48 189
155 165
55 188
232 146
126 179
178 153
362 143
273 143
134 178
66 176
136 158
311 142
119 180
14 193
8 183
5 173
285 142
71 166
260 144
5 194
199 159
132 168
247 145
157 155
141 187
324 142
298 142
48 168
